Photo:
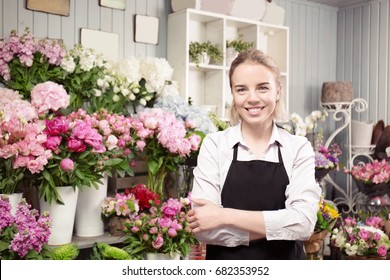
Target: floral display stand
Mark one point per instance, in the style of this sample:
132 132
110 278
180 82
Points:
342 114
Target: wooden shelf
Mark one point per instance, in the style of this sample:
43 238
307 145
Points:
87 242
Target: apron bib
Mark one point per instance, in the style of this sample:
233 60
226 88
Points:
257 186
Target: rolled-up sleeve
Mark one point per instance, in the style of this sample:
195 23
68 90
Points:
297 220
207 185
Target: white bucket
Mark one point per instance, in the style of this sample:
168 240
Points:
361 133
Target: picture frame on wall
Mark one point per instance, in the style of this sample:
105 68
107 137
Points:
106 43
146 29
57 7
114 4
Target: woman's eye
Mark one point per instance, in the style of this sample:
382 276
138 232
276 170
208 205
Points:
241 90
262 88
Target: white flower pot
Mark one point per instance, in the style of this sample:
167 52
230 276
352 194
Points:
88 221
14 200
62 215
361 133
161 256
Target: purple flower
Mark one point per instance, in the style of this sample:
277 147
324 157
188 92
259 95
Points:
33 230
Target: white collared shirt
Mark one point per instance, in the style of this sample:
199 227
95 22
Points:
297 220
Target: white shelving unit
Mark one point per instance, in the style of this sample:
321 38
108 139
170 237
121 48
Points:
209 84
342 114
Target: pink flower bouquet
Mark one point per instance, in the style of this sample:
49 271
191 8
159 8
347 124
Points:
371 178
162 229
359 239
166 141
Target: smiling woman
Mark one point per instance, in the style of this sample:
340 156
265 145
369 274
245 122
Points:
254 192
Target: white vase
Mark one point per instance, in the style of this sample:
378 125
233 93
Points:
62 215
204 58
231 54
161 256
88 221
361 133
14 200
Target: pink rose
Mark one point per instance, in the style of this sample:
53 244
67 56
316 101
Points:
135 229
164 222
145 237
382 250
67 164
153 230
175 225
172 232
364 234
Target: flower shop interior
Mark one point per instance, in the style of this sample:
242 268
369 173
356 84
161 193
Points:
92 90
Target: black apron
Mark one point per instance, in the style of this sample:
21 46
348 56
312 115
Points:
258 186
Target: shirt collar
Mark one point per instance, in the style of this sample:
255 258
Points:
236 136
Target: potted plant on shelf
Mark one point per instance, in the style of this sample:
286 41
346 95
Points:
202 53
234 47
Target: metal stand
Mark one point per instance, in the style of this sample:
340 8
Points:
349 199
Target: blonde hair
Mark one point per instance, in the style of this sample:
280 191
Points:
257 57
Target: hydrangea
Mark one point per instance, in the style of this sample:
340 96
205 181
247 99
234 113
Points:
183 111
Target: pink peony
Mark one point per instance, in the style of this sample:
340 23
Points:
53 142
158 242
57 126
76 145
67 164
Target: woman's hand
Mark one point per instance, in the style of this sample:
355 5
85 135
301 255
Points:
205 216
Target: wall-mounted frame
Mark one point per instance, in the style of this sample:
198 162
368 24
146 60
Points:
105 43
146 29
58 7
115 4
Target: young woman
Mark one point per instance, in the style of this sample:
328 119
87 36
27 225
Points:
254 192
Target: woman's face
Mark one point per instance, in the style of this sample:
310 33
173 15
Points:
254 93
